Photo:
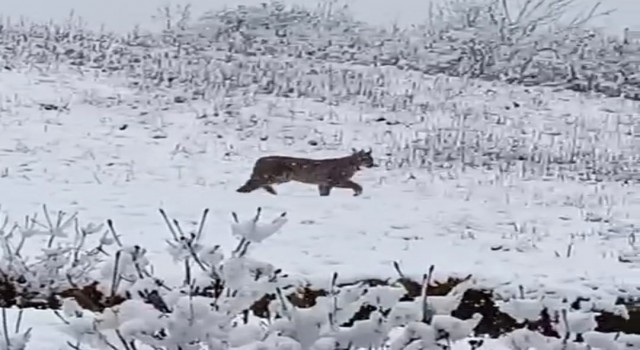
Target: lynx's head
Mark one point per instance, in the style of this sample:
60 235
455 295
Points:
363 158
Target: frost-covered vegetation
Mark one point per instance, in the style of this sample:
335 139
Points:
487 39
107 296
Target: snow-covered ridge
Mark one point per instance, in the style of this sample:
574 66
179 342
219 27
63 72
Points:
492 45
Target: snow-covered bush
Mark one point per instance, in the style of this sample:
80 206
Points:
211 308
534 43
276 23
62 265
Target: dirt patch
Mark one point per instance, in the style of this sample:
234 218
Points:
493 324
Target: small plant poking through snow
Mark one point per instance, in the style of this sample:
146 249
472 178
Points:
16 340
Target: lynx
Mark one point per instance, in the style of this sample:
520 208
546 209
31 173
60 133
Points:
325 173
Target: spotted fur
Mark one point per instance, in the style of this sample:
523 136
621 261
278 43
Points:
325 173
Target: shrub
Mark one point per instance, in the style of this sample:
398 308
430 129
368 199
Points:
215 306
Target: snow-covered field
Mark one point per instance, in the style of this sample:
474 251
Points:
84 158
125 161
477 221
519 187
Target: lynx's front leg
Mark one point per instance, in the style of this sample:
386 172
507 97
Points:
357 189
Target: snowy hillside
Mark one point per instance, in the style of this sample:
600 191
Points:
527 192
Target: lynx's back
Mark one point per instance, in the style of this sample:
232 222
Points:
305 170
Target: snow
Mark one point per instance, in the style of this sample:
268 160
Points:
81 161
115 153
504 230
48 332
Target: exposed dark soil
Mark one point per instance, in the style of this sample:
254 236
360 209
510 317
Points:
493 324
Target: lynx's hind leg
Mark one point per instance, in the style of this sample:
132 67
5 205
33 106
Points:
267 173
324 190
281 176
253 184
269 189
249 186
